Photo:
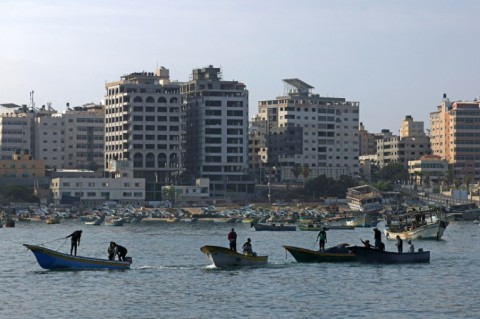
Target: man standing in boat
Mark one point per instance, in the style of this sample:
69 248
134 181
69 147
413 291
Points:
378 238
76 235
322 239
232 238
399 244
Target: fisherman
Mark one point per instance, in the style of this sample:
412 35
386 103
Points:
111 251
76 235
378 237
247 247
232 238
399 244
411 249
322 238
366 243
120 251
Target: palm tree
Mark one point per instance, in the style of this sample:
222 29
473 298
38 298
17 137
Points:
305 171
296 170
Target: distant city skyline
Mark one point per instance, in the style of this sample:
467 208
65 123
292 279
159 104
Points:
396 58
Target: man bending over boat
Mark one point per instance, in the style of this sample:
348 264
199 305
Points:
76 235
120 251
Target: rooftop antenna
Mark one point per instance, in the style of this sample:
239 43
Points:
32 101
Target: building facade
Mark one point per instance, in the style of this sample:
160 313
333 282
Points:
412 145
216 126
455 137
143 124
304 129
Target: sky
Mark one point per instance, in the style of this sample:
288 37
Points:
395 57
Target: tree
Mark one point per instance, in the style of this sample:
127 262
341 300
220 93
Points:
305 171
296 170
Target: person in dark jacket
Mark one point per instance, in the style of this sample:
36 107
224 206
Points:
399 244
378 237
76 235
232 238
120 251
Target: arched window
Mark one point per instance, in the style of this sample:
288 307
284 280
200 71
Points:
138 160
137 99
162 100
162 160
174 160
150 160
150 100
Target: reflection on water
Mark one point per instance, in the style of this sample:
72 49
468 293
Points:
171 278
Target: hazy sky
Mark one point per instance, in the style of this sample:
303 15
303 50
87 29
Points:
396 58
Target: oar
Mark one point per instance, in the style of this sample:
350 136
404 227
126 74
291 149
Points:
315 245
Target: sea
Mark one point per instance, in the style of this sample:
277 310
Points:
171 278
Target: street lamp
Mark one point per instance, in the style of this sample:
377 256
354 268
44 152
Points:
269 184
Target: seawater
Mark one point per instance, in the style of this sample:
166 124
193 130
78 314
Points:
171 278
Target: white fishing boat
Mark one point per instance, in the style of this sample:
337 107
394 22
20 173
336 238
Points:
416 224
114 221
364 198
97 221
363 219
224 257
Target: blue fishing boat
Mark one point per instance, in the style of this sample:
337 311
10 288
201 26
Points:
54 260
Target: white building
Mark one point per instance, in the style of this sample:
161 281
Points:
143 124
92 192
301 128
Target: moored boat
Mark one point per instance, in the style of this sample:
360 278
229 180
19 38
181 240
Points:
432 231
224 257
364 198
274 227
114 221
363 219
95 222
374 256
337 253
54 260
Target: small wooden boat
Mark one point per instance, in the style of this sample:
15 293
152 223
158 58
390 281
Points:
52 220
10 222
374 256
114 221
337 253
274 227
224 257
54 260
95 222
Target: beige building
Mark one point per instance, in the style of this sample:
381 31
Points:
368 142
411 145
455 137
22 166
428 169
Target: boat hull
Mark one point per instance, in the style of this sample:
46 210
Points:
432 231
53 260
373 256
224 257
303 255
274 227
363 220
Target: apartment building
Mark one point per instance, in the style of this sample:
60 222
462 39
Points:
306 129
216 126
16 130
412 144
368 142
143 124
455 137
73 139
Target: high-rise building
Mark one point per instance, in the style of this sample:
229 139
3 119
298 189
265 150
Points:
455 136
304 129
216 121
143 124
